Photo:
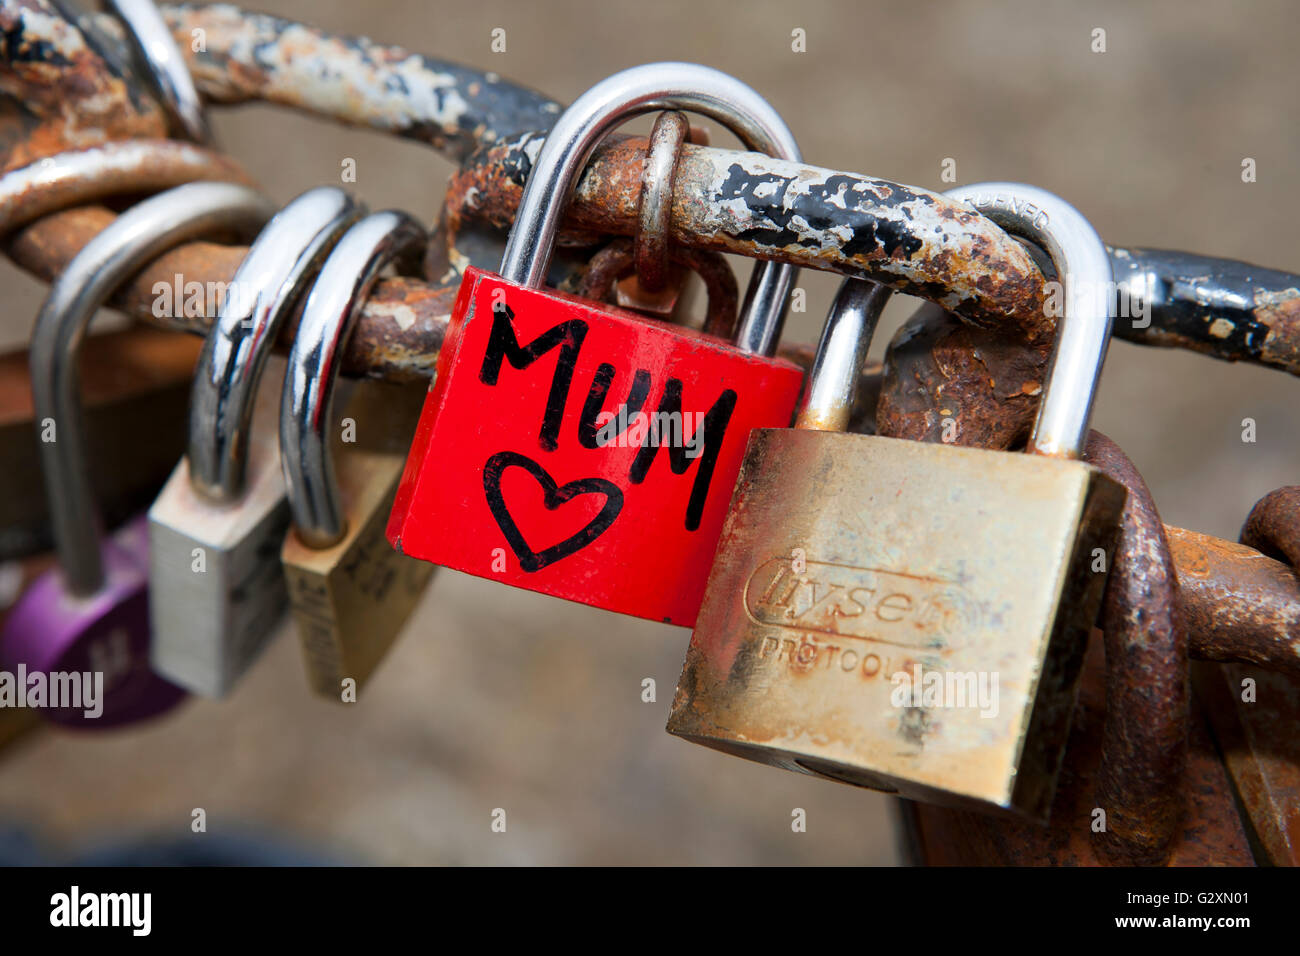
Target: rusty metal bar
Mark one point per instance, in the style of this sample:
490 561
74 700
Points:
256 57
245 57
1230 310
618 260
907 238
1238 604
59 92
970 237
252 56
1273 525
938 367
1260 747
398 337
125 167
1256 713
1144 740
402 323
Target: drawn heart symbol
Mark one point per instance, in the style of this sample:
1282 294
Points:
555 495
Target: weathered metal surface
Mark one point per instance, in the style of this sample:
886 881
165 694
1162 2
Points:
792 213
1255 712
988 383
1273 525
1237 604
75 71
256 57
62 93
946 380
122 168
851 566
1144 738
617 260
397 338
1211 833
1255 715
1231 310
904 237
656 202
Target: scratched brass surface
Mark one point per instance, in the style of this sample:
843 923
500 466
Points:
853 570
350 601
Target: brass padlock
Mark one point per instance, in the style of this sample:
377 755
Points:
215 531
912 617
349 590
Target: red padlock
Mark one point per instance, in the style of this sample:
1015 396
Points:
577 449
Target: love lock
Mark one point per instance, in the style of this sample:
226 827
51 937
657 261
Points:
349 590
91 614
216 528
905 616
508 479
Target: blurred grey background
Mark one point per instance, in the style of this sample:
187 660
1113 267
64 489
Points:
497 698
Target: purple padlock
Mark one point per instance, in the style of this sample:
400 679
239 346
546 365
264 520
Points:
97 645
77 641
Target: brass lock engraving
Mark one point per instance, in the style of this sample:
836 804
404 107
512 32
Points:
927 594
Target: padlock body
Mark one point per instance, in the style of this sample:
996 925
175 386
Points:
218 587
218 590
902 616
582 451
350 601
61 635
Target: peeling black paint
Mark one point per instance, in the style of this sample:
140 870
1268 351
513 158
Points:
1192 292
872 234
16 47
494 111
517 165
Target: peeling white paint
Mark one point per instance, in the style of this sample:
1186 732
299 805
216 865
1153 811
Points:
1222 328
399 312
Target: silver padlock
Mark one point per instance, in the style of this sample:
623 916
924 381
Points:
216 528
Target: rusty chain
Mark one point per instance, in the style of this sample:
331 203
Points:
977 355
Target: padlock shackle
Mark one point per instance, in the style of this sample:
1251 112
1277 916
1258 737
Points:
831 388
608 104
306 402
1083 331
136 237
156 51
266 287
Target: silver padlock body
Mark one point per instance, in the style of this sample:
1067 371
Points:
218 589
902 616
